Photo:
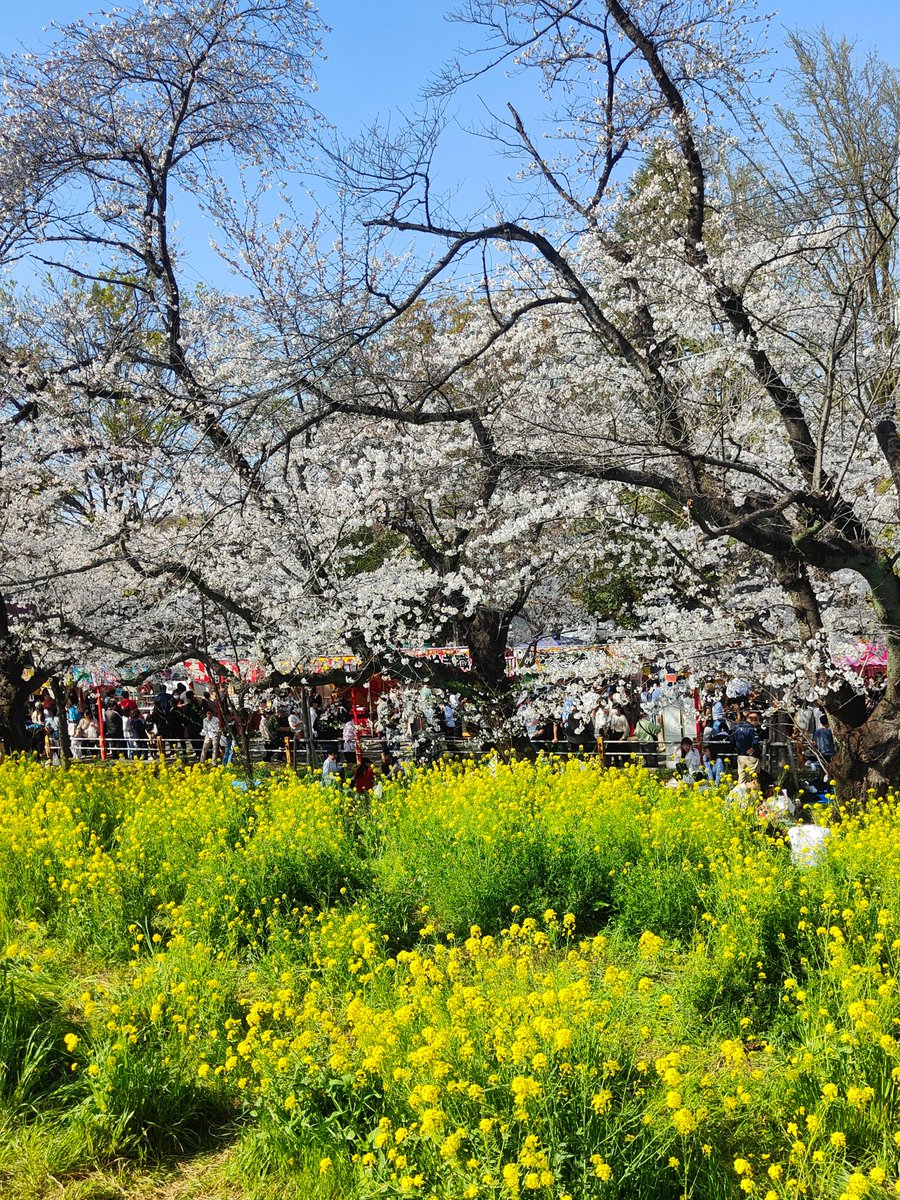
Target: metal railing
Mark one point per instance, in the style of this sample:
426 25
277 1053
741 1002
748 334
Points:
294 751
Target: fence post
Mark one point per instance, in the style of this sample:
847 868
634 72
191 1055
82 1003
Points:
307 730
287 752
601 751
100 722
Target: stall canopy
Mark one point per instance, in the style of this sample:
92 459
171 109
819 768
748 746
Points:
870 660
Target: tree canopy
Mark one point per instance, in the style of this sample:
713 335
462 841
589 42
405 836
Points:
658 380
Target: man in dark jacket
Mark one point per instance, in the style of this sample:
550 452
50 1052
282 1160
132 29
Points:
113 731
136 735
825 747
192 715
744 734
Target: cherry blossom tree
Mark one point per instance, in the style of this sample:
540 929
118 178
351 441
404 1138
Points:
694 311
667 354
123 123
231 461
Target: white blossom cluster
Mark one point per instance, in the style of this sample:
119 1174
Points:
376 445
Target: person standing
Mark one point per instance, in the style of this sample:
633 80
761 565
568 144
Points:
744 735
825 747
386 718
601 721
295 732
157 725
127 708
191 716
720 727
211 731
178 729
88 734
647 729
51 730
136 734
805 720
233 728
113 731
73 716
580 730
448 718
268 727
349 740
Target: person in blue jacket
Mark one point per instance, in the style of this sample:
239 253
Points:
744 735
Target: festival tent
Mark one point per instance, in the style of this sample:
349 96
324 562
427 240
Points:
870 660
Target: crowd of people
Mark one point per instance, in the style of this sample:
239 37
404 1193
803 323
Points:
742 735
121 728
181 722
704 733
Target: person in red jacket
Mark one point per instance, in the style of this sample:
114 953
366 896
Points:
363 777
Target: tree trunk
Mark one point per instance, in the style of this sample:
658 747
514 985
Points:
13 706
486 633
867 759
14 691
242 732
867 743
65 746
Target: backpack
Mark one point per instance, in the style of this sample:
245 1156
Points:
743 736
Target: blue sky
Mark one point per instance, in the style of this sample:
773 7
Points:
381 52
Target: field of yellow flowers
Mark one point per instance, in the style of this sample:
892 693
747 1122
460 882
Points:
527 980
